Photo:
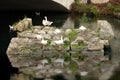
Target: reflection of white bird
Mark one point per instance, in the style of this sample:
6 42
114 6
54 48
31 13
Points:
45 22
60 61
45 61
37 13
59 42
82 28
11 27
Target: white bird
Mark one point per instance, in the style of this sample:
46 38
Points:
43 41
59 42
45 22
57 31
82 28
39 37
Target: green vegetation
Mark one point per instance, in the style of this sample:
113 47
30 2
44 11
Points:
72 36
113 8
67 57
84 18
76 55
96 9
66 44
48 41
73 66
81 43
82 57
49 60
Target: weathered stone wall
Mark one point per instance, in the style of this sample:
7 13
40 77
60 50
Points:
94 1
99 1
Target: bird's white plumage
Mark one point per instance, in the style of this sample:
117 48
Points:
60 41
45 22
82 28
11 27
39 36
43 41
57 31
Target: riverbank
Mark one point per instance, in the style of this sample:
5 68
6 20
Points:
110 8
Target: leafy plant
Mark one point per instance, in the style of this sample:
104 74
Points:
66 44
109 6
81 43
117 9
73 66
94 10
67 57
48 41
72 36
49 61
82 57
84 18
76 55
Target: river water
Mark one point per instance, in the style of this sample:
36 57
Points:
60 20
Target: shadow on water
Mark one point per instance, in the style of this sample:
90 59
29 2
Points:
5 37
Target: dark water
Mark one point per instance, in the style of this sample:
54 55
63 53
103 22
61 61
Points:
59 19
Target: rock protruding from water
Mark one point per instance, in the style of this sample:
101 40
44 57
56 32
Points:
22 25
81 52
105 29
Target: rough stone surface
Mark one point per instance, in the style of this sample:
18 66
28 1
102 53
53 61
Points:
23 24
37 61
99 1
105 29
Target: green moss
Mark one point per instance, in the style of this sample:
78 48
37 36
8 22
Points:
82 44
84 18
67 57
72 35
75 47
66 44
73 66
82 57
49 60
48 41
76 55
